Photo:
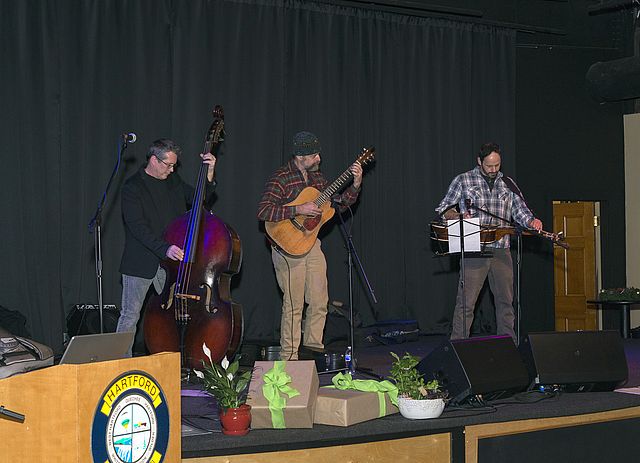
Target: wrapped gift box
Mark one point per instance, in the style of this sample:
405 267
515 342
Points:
299 410
337 407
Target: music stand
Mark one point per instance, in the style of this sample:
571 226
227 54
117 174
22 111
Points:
467 239
469 230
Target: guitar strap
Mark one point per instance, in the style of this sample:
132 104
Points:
555 238
514 188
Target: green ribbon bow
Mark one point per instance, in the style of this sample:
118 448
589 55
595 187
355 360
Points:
276 382
345 381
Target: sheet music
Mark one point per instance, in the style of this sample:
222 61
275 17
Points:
471 231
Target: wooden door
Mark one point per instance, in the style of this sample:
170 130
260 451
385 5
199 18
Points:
575 268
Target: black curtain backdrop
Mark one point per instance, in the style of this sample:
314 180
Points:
77 74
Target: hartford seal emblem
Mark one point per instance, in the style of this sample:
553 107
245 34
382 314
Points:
131 422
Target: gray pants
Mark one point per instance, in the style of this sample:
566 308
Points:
499 270
134 291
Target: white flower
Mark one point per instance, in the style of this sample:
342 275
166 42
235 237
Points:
199 374
230 376
207 351
224 363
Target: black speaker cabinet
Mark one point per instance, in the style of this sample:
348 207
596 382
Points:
85 319
575 361
490 367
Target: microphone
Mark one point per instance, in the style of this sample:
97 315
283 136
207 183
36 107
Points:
468 204
129 137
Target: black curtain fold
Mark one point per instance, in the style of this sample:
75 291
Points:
426 92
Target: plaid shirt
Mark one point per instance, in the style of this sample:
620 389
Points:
285 185
500 201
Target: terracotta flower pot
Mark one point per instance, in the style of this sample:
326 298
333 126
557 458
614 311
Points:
236 421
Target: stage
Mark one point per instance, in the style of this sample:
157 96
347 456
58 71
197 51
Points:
589 426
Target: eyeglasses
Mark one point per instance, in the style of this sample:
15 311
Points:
168 164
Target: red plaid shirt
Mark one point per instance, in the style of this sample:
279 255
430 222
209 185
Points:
285 185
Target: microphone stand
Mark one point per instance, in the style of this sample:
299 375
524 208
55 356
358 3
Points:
11 415
518 234
462 286
96 224
351 256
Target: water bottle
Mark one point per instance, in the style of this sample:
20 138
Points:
347 358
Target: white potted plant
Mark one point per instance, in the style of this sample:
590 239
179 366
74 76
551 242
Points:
416 399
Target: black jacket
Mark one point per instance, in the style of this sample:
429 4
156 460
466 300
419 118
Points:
144 224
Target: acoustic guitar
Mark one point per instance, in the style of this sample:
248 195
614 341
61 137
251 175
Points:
297 235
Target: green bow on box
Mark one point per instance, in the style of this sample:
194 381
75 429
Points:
275 388
345 381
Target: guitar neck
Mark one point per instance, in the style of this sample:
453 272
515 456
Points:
332 189
553 237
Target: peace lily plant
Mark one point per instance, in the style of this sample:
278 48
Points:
223 380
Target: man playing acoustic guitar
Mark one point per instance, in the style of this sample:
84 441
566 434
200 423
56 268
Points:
301 277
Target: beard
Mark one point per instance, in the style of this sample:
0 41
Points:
489 174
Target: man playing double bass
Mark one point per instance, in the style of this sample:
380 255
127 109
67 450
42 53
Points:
472 193
151 199
305 277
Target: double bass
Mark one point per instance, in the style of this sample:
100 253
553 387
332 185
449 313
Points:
195 305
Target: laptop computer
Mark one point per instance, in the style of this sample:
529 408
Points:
89 348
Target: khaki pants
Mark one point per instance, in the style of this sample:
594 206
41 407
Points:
301 279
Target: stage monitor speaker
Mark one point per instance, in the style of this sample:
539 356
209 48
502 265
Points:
85 319
488 367
575 361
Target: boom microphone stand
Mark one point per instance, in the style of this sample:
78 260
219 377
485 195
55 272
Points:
518 234
352 256
96 221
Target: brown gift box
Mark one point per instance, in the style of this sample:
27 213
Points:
299 411
346 407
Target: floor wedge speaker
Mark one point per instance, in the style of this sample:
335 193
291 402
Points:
575 361
490 367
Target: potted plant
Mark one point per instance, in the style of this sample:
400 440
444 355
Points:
227 385
416 399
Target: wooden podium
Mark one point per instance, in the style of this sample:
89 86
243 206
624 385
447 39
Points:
65 407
